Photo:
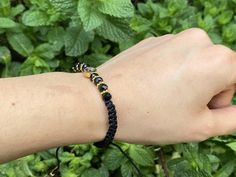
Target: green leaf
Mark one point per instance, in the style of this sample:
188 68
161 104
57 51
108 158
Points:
229 33
225 17
17 10
77 41
5 8
35 18
20 43
115 29
126 169
90 16
45 51
5 55
113 159
7 23
140 24
116 8
104 171
141 155
91 172
226 170
64 6
232 145
55 37
193 173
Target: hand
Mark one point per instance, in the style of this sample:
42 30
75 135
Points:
172 89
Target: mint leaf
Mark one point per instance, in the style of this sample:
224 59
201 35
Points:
5 7
5 55
116 8
115 29
7 23
141 155
64 6
225 17
126 169
55 36
90 16
20 43
17 10
35 18
91 172
77 41
113 159
232 145
226 170
229 32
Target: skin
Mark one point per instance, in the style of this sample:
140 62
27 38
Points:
168 89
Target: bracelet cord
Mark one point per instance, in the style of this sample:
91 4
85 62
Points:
91 73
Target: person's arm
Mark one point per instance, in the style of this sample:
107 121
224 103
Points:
42 111
170 89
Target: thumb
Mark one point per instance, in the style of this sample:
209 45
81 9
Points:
224 120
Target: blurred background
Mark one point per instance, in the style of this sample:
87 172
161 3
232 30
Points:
38 36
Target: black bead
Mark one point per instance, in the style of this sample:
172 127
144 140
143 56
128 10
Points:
93 75
102 87
97 80
84 66
106 96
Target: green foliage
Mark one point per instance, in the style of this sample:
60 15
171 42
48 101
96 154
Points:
38 36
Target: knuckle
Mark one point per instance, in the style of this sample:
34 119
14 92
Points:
222 50
197 33
149 39
145 41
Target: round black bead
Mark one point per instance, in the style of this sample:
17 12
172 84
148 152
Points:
93 75
97 80
106 96
102 87
84 66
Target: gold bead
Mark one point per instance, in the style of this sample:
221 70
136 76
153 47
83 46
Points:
104 91
100 83
87 74
95 77
81 65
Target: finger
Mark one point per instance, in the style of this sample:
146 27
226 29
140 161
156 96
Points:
221 63
224 120
222 99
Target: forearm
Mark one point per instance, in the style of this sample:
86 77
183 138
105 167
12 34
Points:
43 111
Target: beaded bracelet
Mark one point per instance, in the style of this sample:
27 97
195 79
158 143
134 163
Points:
91 73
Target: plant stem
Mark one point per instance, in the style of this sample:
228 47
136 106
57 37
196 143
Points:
163 162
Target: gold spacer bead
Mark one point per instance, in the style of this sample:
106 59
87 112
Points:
81 65
104 91
95 77
100 83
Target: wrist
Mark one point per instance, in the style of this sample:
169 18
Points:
92 113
